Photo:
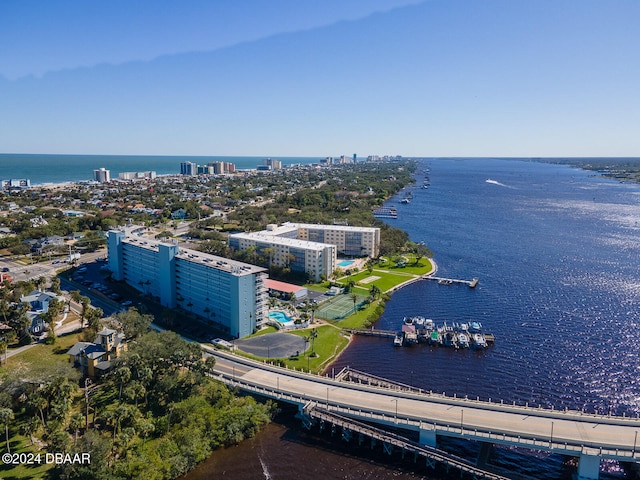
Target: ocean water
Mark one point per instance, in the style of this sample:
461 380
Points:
557 252
41 169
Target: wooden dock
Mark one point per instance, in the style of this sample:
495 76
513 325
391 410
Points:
450 281
371 332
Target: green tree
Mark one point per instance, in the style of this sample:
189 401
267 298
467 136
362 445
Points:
6 415
76 422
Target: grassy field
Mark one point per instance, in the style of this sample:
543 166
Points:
327 345
39 361
42 358
386 281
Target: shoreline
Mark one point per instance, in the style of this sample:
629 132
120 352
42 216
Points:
434 269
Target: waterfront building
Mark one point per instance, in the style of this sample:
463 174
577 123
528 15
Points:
314 258
272 164
350 241
220 168
188 168
310 248
148 175
102 175
229 295
16 183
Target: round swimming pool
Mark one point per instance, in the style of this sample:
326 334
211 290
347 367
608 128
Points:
280 317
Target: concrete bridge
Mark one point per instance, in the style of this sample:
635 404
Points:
589 437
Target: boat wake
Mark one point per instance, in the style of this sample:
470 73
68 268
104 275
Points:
265 470
495 182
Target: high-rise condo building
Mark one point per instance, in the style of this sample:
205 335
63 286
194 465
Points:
188 168
102 175
229 295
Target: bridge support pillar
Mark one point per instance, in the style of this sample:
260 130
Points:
485 452
588 466
428 435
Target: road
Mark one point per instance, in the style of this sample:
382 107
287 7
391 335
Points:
566 431
21 272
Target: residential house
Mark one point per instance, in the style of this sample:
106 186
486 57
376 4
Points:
95 358
39 301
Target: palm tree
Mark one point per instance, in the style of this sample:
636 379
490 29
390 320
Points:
354 297
6 415
313 334
41 282
75 423
124 375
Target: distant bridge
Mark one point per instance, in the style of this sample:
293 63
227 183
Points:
586 436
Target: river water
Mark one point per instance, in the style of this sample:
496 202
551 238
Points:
557 252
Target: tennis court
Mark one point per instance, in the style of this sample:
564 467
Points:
339 307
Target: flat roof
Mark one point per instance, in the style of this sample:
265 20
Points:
275 240
194 256
346 228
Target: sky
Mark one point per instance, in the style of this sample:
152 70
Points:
506 78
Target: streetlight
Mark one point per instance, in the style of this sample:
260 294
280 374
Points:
461 421
551 437
328 398
396 417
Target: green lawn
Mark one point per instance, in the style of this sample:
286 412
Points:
20 444
386 281
43 358
327 345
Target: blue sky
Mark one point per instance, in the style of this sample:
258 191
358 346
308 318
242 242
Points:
294 78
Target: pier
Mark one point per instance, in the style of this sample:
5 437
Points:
450 281
371 332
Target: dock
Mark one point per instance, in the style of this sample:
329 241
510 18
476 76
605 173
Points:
371 332
450 281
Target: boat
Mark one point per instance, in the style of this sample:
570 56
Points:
463 340
451 339
385 212
475 327
405 201
419 321
397 341
410 338
478 341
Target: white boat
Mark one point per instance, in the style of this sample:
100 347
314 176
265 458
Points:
463 340
478 340
397 341
419 321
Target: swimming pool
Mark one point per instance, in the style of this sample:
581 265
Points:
345 263
280 317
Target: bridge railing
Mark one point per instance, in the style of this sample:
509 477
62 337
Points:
443 398
617 452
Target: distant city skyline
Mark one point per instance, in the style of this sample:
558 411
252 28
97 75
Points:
377 77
